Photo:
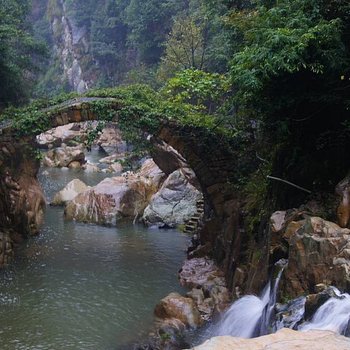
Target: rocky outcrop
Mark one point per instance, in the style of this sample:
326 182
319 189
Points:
68 193
208 286
343 210
6 248
64 156
22 203
285 339
319 252
179 311
174 204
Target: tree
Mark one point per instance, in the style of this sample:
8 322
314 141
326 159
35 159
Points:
149 22
291 75
185 47
17 48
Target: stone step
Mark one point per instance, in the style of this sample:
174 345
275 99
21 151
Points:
190 227
187 231
194 220
197 216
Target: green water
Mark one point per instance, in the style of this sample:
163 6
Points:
79 286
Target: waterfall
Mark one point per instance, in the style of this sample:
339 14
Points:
250 316
333 315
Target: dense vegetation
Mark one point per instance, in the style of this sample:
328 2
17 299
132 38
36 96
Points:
273 75
18 51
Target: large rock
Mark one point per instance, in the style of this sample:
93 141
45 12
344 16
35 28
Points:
69 134
319 252
208 285
285 339
64 156
69 192
174 204
178 308
111 140
166 157
112 200
151 171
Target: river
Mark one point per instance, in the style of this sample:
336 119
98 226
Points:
80 286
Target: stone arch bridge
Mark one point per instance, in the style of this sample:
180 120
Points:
21 200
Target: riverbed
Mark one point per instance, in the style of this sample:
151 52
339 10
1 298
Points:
81 286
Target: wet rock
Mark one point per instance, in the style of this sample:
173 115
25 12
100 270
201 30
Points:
314 301
319 252
285 339
175 308
69 192
64 156
174 204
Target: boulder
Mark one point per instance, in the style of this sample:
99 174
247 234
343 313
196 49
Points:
285 339
176 307
174 203
69 134
319 252
112 200
68 193
151 171
116 168
91 168
64 156
111 140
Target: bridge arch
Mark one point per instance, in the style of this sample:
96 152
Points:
208 154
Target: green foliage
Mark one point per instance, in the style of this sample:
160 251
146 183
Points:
206 91
184 47
17 49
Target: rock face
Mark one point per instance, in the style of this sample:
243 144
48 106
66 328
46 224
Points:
208 285
6 248
175 308
175 202
68 193
64 156
343 211
319 252
285 339
22 203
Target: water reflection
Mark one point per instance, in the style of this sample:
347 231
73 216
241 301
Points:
79 286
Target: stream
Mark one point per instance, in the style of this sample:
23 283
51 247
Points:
80 286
